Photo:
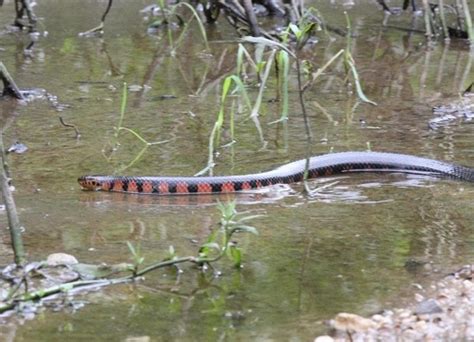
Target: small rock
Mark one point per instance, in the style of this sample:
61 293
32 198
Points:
324 338
57 259
419 298
352 322
429 306
403 314
17 147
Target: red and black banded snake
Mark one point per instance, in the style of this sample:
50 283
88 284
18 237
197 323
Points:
319 166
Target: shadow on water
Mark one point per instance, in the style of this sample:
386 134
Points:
343 249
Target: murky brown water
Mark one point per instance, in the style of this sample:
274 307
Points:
343 250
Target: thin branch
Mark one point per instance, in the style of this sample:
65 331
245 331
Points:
10 207
65 124
99 29
9 86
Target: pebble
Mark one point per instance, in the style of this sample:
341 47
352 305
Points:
57 259
428 306
351 322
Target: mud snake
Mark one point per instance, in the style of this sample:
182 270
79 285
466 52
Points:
319 166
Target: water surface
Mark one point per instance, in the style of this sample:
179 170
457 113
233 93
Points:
345 249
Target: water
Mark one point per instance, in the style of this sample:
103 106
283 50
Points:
345 249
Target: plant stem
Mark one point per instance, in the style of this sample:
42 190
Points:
427 16
309 136
123 106
13 220
468 22
443 19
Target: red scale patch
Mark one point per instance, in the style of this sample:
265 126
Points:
182 188
204 188
118 185
228 187
132 186
106 186
147 187
246 186
163 188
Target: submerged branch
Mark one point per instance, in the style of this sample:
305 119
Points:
9 86
15 227
65 124
99 29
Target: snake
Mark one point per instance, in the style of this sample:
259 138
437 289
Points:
319 166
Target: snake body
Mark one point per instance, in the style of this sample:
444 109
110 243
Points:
319 166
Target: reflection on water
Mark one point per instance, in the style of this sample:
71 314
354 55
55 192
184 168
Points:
343 248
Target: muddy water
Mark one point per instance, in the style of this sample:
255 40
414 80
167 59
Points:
345 249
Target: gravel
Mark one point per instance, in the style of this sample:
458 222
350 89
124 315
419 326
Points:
444 311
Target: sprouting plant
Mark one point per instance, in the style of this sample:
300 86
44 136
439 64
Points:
283 67
218 244
120 127
231 222
350 64
214 138
169 12
137 258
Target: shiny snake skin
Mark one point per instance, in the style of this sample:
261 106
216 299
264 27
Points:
319 166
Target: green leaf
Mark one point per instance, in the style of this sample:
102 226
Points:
213 245
227 210
235 255
204 249
266 41
250 217
296 30
131 249
359 90
247 229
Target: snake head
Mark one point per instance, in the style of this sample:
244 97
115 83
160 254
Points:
91 183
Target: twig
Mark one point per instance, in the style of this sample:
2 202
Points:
309 136
20 7
9 86
10 207
65 124
98 29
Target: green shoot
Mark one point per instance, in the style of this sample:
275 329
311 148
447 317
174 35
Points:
215 137
195 16
263 83
137 258
283 62
123 107
350 64
230 224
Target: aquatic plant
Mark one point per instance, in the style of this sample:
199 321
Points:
468 21
214 137
169 15
97 276
120 127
